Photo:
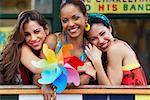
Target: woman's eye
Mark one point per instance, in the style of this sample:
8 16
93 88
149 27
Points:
64 20
102 33
93 39
26 34
76 17
37 31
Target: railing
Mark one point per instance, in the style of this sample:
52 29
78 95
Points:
85 89
143 91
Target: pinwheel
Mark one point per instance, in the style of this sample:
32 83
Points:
54 72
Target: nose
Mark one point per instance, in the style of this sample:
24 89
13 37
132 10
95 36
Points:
100 40
71 23
33 37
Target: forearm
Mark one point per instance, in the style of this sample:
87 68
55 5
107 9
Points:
35 79
27 56
102 77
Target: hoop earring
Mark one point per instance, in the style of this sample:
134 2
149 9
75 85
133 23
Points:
87 27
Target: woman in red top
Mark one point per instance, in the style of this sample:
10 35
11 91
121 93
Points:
122 66
23 45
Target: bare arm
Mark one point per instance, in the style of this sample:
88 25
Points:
114 66
113 75
94 55
27 56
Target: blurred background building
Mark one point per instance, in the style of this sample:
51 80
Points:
133 28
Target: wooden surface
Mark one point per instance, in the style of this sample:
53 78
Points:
85 89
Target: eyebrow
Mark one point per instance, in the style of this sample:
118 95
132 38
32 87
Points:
77 14
25 33
37 29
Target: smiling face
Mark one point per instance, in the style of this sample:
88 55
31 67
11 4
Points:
100 36
73 20
34 34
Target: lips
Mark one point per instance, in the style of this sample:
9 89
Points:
35 44
73 30
104 46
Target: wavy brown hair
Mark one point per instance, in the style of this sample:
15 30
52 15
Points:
11 54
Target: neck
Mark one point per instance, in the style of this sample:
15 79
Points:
76 42
78 46
37 53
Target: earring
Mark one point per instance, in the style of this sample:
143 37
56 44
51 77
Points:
87 27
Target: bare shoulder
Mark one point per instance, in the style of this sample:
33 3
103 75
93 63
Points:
25 47
118 47
114 47
26 50
121 47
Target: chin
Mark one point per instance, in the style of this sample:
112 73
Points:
37 48
104 50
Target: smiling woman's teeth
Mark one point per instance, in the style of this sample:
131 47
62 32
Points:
73 30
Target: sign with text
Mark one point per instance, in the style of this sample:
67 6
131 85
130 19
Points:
118 6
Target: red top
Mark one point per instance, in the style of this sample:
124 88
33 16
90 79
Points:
26 76
134 77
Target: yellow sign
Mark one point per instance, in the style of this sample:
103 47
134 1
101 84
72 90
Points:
118 6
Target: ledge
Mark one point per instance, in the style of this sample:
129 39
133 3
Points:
84 89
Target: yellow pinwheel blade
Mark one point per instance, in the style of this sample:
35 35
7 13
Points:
49 54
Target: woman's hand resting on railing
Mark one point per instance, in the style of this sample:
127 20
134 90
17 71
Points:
48 91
